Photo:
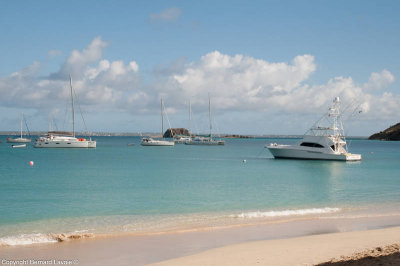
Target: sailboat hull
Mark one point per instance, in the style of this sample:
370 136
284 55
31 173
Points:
71 143
18 140
205 142
157 143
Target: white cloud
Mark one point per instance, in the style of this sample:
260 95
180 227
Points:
236 83
245 83
98 83
379 80
167 15
77 61
53 53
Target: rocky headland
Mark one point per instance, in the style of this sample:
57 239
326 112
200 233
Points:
391 133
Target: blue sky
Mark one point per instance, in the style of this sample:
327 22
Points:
263 62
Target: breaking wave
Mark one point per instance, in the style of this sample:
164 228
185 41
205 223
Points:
283 213
28 239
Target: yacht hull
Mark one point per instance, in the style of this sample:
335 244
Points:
288 152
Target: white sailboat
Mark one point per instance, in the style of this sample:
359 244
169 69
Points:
206 140
148 141
20 139
184 139
64 139
320 142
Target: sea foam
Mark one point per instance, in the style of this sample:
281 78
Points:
282 213
29 239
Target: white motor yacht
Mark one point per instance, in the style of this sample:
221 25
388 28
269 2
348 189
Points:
320 142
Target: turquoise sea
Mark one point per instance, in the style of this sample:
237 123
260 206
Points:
116 188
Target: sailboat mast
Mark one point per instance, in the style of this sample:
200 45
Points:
73 112
162 119
209 114
21 123
190 118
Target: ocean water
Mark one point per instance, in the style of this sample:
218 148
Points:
117 189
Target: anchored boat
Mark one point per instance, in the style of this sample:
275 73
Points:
206 140
20 139
148 141
60 139
320 142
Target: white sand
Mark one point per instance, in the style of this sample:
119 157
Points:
306 250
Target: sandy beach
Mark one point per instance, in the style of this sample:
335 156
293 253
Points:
308 250
230 246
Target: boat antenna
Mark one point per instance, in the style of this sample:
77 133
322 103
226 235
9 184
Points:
73 113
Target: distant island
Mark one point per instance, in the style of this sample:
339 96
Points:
171 132
391 133
158 135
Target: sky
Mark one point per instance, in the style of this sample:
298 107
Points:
270 67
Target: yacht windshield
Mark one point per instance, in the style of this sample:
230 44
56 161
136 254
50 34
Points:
311 144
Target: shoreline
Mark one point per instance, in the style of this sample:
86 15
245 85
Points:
341 219
140 249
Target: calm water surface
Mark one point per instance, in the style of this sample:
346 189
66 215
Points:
117 187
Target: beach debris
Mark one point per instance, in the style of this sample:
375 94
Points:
67 237
31 163
387 255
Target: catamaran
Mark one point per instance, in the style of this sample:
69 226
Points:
148 141
320 142
65 139
20 139
206 140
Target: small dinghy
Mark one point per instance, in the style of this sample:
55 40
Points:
19 146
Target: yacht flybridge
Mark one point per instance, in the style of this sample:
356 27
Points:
62 139
321 142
